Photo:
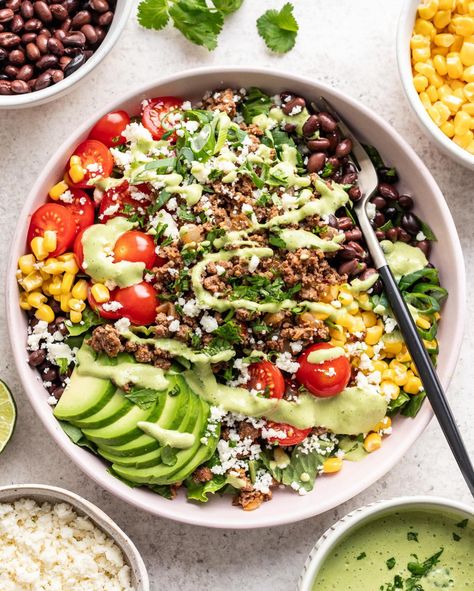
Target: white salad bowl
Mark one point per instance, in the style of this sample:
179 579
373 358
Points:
286 506
42 493
404 33
39 97
342 528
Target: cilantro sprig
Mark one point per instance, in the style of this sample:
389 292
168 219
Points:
201 21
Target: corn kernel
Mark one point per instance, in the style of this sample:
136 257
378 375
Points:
374 334
439 62
390 389
423 323
425 100
447 4
50 240
369 318
370 351
424 69
468 108
55 285
454 65
26 264
70 266
441 19
372 442
469 91
432 93
67 256
75 317
332 465
403 356
101 294
24 305
45 313
444 40
380 365
37 246
439 51
462 123
421 54
45 288
76 173
32 281
345 298
443 111
413 385
64 301
75 161
35 299
389 374
420 82
384 424
67 283
463 140
79 290
427 10
447 128
419 41
76 305
58 189
453 102
425 28
53 266
336 343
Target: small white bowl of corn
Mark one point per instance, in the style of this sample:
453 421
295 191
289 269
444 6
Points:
435 52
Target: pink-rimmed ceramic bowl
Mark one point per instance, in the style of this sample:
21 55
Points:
286 506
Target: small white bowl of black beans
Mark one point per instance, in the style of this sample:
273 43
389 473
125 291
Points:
47 46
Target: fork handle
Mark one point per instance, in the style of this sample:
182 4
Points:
428 375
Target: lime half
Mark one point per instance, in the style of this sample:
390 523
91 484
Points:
7 415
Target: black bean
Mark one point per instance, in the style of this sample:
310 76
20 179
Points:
25 73
27 10
81 18
43 81
361 268
6 15
55 46
3 55
344 148
37 357
403 235
17 24
348 267
17 57
99 5
345 223
90 33
354 234
71 5
33 24
74 64
349 178
348 252
11 71
425 246
367 273
43 11
379 202
334 137
66 25
58 392
327 121
316 162
377 287
392 234
333 221
33 52
28 38
56 75
310 126
5 87
388 191
42 43
49 374
9 40
410 223
320 145
333 162
292 107
390 212
289 127
59 12
387 175
13 4
354 193
47 61
380 234
76 39
406 202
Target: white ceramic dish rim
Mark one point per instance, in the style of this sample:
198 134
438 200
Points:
39 97
54 494
192 514
405 27
336 532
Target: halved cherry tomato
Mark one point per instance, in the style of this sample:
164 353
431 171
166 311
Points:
138 304
325 379
157 115
122 197
52 216
136 247
292 435
81 208
109 128
267 378
96 160
78 249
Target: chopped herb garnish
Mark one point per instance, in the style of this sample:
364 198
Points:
456 537
275 240
362 555
144 398
258 288
390 563
420 569
462 524
412 536
185 214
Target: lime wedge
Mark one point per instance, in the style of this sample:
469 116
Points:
7 415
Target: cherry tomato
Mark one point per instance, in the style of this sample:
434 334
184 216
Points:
53 216
109 128
157 115
81 209
293 436
96 159
138 304
324 379
78 249
266 377
123 197
136 247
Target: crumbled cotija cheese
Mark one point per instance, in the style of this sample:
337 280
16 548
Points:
49 547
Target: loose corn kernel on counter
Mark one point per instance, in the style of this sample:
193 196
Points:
442 56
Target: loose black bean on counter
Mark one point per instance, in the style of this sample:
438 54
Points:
44 41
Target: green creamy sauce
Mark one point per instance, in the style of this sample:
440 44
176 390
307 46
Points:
359 562
139 374
166 436
322 355
298 119
295 239
98 242
403 258
352 412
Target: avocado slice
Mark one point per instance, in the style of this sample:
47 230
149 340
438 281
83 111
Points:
153 457
115 408
83 397
185 459
136 447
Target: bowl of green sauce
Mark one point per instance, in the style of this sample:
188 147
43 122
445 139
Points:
407 544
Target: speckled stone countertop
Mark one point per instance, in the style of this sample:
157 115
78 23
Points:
349 44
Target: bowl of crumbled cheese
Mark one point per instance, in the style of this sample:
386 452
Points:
52 539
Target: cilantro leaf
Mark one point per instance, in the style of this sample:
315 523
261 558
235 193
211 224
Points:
255 103
456 537
197 22
362 555
169 455
462 524
390 563
420 569
278 29
227 6
144 398
412 536
153 14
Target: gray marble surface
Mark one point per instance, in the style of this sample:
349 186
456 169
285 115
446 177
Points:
349 44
